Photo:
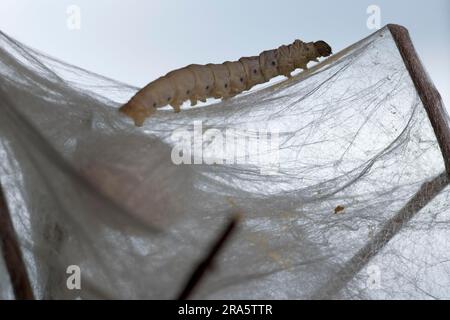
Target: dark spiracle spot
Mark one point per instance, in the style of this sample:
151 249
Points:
154 105
226 85
207 87
168 99
188 92
274 63
255 71
242 79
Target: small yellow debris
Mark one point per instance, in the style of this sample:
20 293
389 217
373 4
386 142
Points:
339 210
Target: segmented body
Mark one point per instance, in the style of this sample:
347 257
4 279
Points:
200 82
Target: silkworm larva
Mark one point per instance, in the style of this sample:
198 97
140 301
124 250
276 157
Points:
199 82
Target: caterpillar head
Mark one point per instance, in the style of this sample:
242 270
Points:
323 48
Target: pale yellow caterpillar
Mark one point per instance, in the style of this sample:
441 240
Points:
200 82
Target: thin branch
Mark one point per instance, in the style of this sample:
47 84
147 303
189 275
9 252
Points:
12 254
208 261
428 93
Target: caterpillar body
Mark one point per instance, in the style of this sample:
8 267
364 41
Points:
200 82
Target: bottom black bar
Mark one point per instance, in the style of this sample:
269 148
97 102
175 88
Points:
224 309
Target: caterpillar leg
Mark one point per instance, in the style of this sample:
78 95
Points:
193 101
229 97
303 66
176 105
177 109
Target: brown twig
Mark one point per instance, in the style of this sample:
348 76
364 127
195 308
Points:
428 93
208 261
12 254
